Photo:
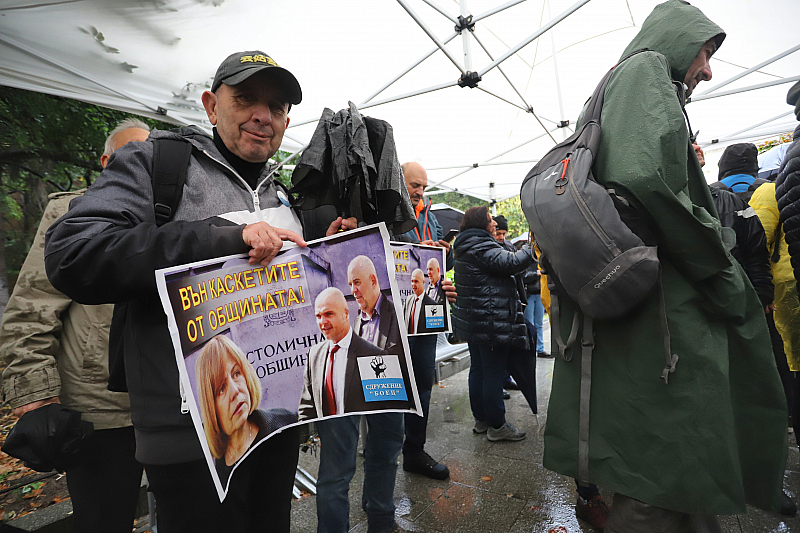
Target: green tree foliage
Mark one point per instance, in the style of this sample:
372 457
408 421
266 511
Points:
47 144
511 208
457 200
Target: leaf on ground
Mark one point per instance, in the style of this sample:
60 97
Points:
486 478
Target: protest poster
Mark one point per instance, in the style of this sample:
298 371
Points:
255 344
419 271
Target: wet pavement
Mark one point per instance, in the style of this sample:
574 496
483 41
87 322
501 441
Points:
502 486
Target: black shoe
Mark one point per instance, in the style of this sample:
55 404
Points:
788 508
544 355
511 384
506 395
424 464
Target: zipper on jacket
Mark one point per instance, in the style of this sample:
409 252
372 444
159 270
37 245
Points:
184 401
253 194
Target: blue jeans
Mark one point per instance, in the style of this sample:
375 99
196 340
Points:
487 374
337 465
534 313
423 358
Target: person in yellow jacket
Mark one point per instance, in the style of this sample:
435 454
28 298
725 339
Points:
787 303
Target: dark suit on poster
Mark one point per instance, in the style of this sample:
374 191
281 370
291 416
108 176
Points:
421 326
388 330
437 293
311 399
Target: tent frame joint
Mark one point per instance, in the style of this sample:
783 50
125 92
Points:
465 23
563 124
470 79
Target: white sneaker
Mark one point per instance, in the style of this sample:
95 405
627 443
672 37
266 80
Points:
505 432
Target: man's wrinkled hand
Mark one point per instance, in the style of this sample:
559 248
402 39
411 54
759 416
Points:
341 224
266 241
22 409
449 290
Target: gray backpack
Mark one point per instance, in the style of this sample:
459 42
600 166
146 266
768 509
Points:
595 249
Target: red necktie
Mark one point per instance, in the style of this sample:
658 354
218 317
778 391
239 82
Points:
330 396
411 320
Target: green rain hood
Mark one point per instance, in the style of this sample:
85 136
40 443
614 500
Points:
714 438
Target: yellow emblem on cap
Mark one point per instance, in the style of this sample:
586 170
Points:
258 58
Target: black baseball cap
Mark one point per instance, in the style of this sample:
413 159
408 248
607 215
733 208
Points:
239 66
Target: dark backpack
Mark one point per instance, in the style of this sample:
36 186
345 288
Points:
595 248
168 176
744 195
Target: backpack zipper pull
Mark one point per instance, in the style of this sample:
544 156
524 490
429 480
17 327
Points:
561 183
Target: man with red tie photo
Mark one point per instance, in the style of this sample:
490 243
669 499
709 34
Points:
414 308
332 384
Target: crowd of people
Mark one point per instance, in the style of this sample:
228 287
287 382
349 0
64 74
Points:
676 452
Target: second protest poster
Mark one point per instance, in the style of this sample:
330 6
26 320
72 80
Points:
419 271
318 332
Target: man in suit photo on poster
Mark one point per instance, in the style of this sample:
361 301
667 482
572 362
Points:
414 309
332 383
377 320
229 393
435 290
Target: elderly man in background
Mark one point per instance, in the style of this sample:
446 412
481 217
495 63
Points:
56 351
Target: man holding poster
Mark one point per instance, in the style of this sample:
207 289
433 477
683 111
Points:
423 348
107 247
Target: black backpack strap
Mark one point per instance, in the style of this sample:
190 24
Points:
756 184
170 165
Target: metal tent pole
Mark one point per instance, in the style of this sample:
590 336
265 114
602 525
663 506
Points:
528 108
493 198
745 89
489 164
753 69
754 126
533 37
498 9
476 165
465 37
430 34
442 11
558 81
409 69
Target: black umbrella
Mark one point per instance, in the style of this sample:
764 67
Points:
48 438
351 164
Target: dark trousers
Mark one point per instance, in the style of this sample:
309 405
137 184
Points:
423 358
259 497
104 487
789 379
487 374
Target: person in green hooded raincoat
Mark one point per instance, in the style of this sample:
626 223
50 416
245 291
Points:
714 437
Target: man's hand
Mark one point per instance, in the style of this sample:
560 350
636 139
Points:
441 244
700 155
22 409
341 224
449 290
770 308
265 241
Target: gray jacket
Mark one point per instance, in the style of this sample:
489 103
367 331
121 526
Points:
107 247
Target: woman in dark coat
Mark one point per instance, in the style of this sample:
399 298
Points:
488 315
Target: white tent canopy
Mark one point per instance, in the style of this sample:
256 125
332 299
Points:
152 57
